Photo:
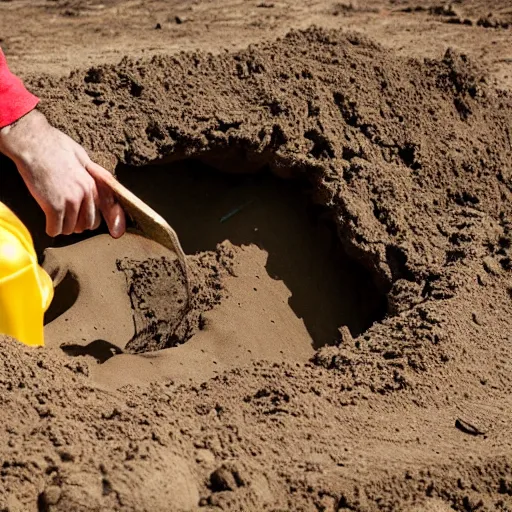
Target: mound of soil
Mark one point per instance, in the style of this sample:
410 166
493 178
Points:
412 162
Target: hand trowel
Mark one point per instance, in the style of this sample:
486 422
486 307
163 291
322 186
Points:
150 224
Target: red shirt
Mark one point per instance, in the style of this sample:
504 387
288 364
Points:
15 100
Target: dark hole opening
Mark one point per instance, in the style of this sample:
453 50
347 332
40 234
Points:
206 207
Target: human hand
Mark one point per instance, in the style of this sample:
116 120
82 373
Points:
61 177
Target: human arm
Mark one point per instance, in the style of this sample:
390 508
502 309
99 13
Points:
57 171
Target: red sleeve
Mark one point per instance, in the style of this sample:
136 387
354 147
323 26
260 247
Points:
15 100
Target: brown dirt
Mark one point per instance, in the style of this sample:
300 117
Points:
350 342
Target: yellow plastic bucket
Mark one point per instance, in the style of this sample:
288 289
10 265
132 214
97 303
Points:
26 290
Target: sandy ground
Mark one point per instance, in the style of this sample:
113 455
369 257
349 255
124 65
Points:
345 204
56 36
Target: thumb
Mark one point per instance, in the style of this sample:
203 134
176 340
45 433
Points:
110 209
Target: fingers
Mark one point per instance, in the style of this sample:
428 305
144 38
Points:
67 185
89 216
79 211
54 220
111 210
84 203
115 218
97 222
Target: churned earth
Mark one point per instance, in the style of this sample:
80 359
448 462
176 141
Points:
344 199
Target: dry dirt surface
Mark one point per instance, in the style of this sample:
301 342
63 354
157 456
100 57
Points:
345 202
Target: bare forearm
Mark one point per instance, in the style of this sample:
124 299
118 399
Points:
58 172
17 138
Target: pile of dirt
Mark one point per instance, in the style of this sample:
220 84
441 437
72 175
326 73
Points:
372 131
412 162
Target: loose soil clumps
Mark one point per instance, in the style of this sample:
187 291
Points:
413 163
